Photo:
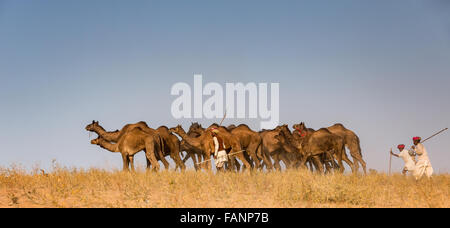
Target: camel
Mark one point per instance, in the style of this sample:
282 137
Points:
317 143
171 146
233 145
271 147
293 148
131 143
202 142
116 135
250 141
351 141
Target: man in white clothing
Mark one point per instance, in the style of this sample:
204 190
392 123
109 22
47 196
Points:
407 158
220 154
423 165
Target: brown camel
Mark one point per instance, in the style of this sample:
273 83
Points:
202 142
351 141
233 145
131 143
317 143
192 152
116 135
171 146
318 161
271 147
250 141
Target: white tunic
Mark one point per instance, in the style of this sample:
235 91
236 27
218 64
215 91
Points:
409 163
221 156
423 165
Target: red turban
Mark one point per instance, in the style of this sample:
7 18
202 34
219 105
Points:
416 138
401 146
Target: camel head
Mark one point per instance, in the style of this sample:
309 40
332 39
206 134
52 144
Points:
176 129
195 126
301 126
96 141
92 126
281 137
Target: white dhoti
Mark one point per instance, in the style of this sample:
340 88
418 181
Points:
222 157
423 167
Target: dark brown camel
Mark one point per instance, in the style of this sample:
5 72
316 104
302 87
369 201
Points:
202 142
271 147
233 145
131 143
351 141
192 152
250 142
318 161
317 143
171 146
115 136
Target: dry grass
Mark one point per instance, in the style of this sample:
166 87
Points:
64 187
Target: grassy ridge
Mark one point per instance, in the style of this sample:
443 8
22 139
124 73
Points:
295 188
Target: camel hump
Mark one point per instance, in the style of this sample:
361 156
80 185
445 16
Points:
243 125
339 125
163 127
142 123
323 130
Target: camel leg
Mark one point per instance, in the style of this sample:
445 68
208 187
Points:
241 157
252 152
285 159
357 158
131 159
318 164
207 156
355 152
350 163
163 160
188 155
276 162
249 159
194 160
341 165
126 162
152 158
150 154
265 157
175 155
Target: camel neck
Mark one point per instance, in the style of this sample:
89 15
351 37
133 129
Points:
109 136
195 142
108 146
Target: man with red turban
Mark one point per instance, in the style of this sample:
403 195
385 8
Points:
407 158
423 165
220 154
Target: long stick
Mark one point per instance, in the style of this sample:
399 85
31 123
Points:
224 115
434 134
390 159
228 155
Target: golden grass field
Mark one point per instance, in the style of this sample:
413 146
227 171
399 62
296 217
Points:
71 187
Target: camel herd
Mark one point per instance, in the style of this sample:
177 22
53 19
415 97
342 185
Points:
320 150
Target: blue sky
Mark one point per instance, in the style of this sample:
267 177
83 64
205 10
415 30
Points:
382 68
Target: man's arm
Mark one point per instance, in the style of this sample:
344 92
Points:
216 147
394 154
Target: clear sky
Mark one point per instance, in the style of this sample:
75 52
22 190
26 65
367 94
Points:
382 68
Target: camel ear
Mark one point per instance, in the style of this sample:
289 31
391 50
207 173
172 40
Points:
93 121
